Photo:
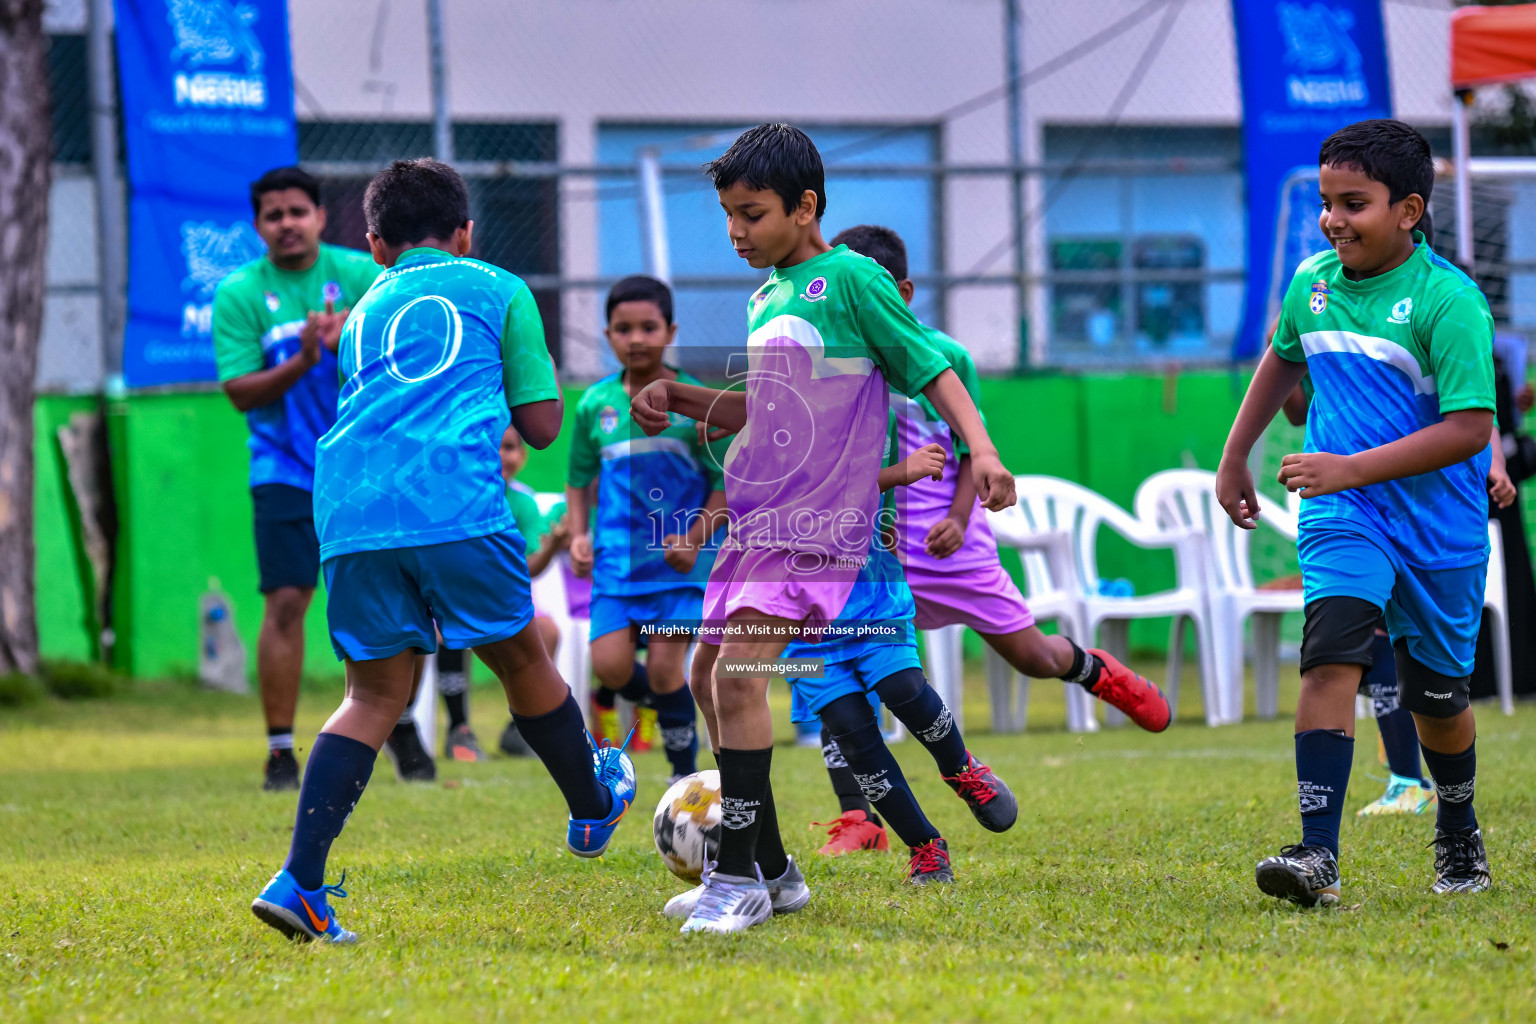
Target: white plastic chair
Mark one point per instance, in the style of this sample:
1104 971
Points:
1185 499
1054 594
424 707
573 655
1054 504
1495 602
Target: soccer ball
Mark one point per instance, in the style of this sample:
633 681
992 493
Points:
687 824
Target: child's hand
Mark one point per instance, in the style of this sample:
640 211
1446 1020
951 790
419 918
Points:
680 554
559 535
708 433
1317 473
994 484
649 408
1500 488
581 555
1236 494
926 461
945 538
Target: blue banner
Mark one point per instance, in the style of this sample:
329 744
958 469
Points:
207 98
1308 68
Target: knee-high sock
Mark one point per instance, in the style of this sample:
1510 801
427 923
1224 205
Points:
1455 780
919 707
560 740
744 780
884 785
849 796
334 779
638 689
1323 758
675 715
453 684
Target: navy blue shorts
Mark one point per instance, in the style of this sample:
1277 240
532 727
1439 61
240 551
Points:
287 550
612 612
474 591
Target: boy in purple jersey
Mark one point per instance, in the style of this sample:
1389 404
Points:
829 335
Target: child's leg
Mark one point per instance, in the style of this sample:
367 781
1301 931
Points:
341 760
853 725
850 797
745 733
549 632
453 685
918 706
703 676
673 701
548 718
1042 656
1399 736
1447 731
614 664
1325 749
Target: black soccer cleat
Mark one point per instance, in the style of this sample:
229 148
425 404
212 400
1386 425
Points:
1308 875
1461 861
412 761
930 863
989 799
281 772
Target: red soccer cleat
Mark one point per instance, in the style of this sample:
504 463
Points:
851 832
1135 695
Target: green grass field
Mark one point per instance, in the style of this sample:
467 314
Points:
133 836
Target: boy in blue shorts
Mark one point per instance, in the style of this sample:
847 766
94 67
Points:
1398 343
415 533
659 502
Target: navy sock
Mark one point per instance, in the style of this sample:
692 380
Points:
560 740
772 859
849 796
1323 759
1401 738
334 779
603 697
675 716
926 718
879 776
638 689
1455 778
1085 668
744 779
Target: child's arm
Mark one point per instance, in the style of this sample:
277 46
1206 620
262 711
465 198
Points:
727 409
576 524
994 484
682 549
926 461
1296 406
1456 438
555 539
1500 488
1272 382
946 536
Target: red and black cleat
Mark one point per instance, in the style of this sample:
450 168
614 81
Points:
988 797
1137 696
930 863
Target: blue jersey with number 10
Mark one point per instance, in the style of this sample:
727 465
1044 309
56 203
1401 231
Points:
432 359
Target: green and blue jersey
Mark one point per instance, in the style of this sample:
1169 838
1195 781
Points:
648 488
1389 356
433 359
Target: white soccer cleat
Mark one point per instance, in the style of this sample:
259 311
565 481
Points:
729 904
786 894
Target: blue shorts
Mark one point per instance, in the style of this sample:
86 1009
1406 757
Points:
619 611
860 673
475 591
1437 611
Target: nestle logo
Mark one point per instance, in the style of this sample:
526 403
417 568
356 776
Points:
221 91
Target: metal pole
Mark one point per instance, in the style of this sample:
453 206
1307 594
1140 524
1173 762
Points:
111 234
653 215
442 125
1013 31
1461 139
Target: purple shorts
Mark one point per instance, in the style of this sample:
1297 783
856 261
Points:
782 583
986 599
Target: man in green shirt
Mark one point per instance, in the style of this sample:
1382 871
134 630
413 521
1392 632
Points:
276 322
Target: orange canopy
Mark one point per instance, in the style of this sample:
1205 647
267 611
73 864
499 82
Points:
1492 44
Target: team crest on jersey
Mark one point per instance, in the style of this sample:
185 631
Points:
1401 312
816 290
1319 300
331 292
608 419
272 302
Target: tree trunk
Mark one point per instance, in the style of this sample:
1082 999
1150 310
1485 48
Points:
25 144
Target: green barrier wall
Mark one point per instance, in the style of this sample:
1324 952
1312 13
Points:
186 515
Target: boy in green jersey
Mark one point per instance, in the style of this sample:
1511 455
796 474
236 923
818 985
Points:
830 334
276 321
659 503
1394 520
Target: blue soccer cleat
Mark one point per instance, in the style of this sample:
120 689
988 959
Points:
589 837
302 914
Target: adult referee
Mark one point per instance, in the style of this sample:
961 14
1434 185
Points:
276 323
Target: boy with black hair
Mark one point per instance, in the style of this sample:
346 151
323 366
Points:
414 526
275 325
829 335
659 502
1398 343
951 562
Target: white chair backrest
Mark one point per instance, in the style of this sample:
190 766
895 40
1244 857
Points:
1493 592
1186 499
1048 503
